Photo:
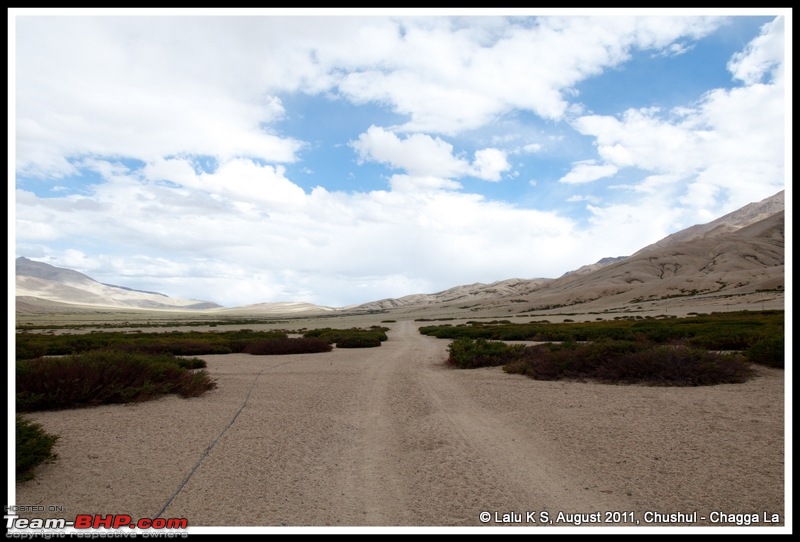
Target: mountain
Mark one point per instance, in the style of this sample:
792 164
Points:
737 258
37 282
460 294
594 266
747 215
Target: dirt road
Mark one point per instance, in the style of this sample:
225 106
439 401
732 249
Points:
390 436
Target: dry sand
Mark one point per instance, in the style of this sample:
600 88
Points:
391 437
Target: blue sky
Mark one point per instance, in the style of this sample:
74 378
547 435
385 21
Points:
347 156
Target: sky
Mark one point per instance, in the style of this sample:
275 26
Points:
341 156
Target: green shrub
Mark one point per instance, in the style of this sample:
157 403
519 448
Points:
194 343
631 362
177 347
33 447
466 353
717 331
103 377
29 350
191 363
769 352
358 341
334 336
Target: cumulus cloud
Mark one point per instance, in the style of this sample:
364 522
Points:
417 154
722 152
489 164
183 129
432 236
239 179
136 87
427 156
763 57
154 86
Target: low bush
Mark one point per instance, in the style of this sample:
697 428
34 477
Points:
105 376
631 362
176 347
466 353
358 341
194 343
33 447
769 352
716 331
335 336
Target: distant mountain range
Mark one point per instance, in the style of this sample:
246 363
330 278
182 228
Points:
38 281
741 253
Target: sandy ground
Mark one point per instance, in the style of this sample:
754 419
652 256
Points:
391 437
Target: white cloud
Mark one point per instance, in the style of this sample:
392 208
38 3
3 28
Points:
763 56
587 172
107 94
149 87
489 164
630 226
584 197
412 184
203 247
138 87
417 154
726 151
532 147
642 138
424 156
444 74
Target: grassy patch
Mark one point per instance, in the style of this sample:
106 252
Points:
33 447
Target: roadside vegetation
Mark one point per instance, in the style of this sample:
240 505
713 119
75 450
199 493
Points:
34 446
694 351
100 377
195 343
351 338
76 370
147 323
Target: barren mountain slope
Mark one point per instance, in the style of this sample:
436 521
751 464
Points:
47 282
741 253
746 260
731 263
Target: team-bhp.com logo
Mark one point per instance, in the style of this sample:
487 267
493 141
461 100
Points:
94 521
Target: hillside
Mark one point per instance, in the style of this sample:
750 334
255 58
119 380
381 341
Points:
37 282
737 259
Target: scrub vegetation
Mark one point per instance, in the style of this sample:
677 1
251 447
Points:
34 446
193 343
75 370
693 351
99 377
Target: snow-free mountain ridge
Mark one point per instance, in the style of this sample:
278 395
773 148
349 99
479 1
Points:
741 253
